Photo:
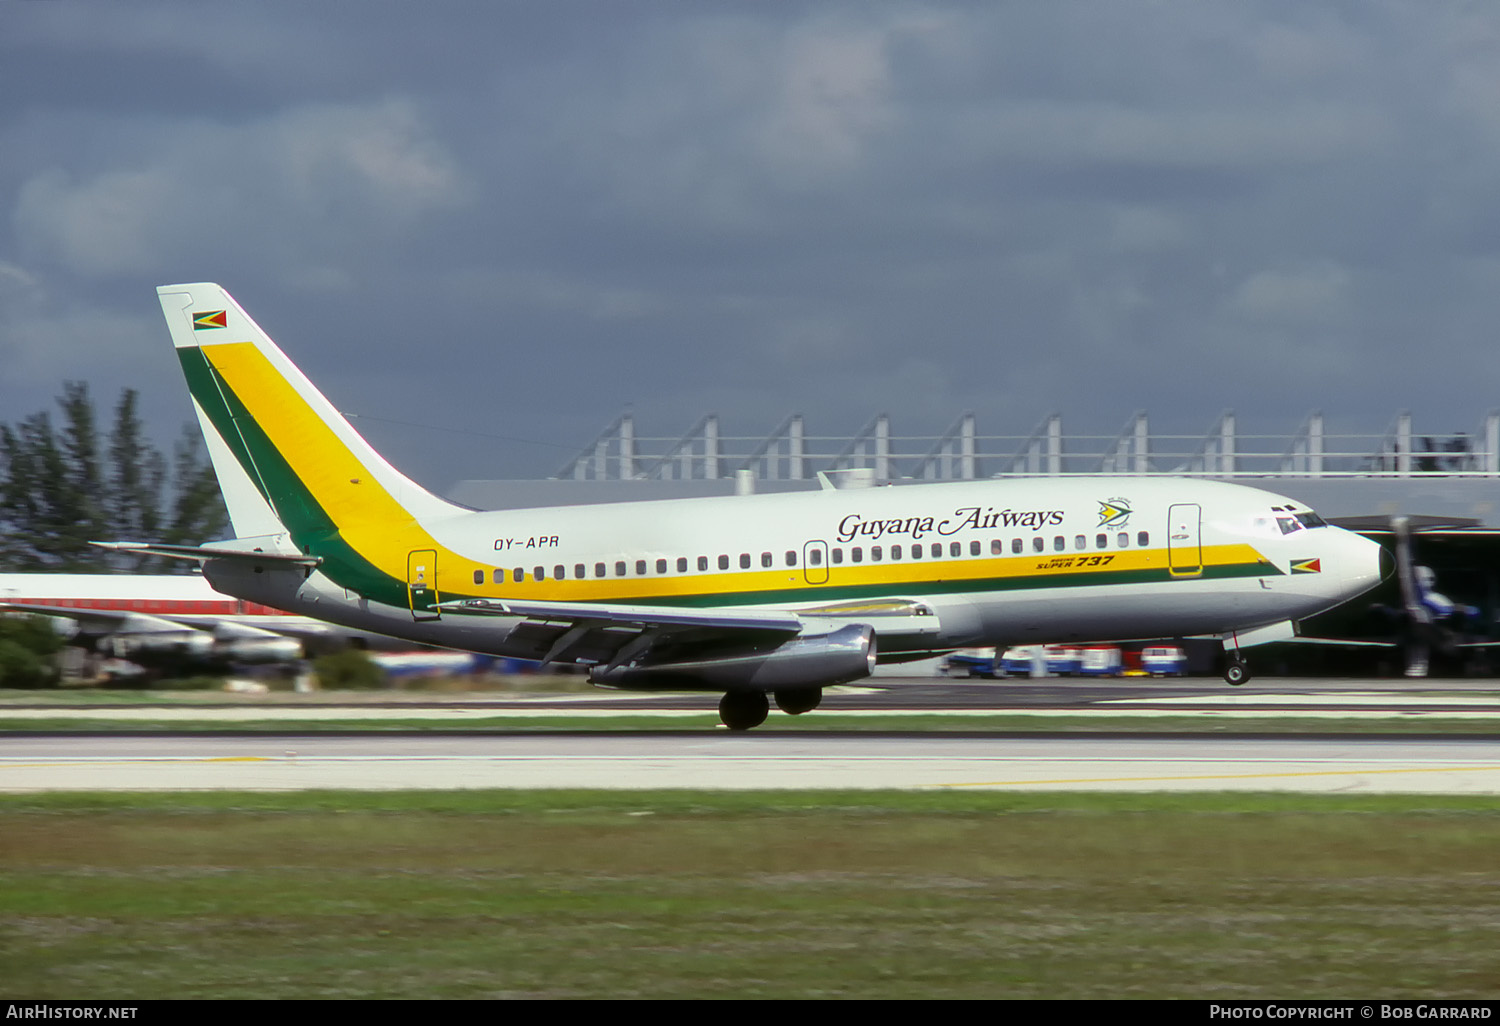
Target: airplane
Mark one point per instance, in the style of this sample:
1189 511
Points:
1425 620
176 620
754 595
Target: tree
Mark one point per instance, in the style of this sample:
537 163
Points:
57 494
26 646
137 472
198 512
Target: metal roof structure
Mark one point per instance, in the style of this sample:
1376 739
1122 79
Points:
789 453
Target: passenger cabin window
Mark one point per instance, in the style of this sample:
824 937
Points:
519 574
640 568
579 571
791 557
1017 545
765 559
661 566
1080 542
1101 541
895 552
1124 539
540 573
1059 543
682 564
478 576
744 561
856 555
558 573
599 569
937 550
620 568
997 547
836 556
1038 544
723 562
973 548
815 557
875 553
916 551
498 576
1143 538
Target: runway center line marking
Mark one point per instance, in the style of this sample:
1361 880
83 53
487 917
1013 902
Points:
1482 768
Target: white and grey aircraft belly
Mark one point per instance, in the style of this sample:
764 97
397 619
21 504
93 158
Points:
778 595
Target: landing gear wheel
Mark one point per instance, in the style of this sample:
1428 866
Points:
799 700
1237 672
742 710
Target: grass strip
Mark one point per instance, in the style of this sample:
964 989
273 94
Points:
673 894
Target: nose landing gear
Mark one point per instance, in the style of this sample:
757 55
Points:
1237 672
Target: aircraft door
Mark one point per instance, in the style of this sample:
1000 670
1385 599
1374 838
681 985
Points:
1184 540
421 584
815 562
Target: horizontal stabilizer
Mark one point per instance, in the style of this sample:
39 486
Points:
202 552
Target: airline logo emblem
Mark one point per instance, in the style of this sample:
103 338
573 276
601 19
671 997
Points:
1114 512
1307 566
211 319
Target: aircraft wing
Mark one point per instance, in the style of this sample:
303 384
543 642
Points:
1366 643
102 621
610 634
1340 642
613 634
602 614
302 628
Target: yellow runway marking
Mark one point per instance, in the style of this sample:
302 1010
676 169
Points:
133 762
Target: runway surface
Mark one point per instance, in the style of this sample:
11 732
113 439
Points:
1213 759
741 762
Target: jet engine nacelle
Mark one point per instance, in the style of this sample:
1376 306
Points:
189 643
842 654
260 650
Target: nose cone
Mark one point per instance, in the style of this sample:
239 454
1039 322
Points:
1364 563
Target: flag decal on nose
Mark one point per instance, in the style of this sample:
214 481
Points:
1307 566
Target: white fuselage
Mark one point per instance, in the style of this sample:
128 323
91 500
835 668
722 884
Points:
999 562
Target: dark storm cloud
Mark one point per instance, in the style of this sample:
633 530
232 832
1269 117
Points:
514 219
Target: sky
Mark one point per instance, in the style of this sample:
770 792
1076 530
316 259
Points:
486 229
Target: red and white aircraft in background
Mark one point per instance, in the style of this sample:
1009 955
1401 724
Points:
176 618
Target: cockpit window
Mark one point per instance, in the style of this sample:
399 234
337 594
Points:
1288 524
1311 519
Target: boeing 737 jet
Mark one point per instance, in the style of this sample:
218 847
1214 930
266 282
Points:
753 596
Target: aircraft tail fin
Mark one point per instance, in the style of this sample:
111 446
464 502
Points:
286 459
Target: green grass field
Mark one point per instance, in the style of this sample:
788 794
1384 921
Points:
818 894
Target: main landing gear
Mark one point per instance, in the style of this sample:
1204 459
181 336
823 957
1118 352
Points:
1237 672
745 710
742 710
